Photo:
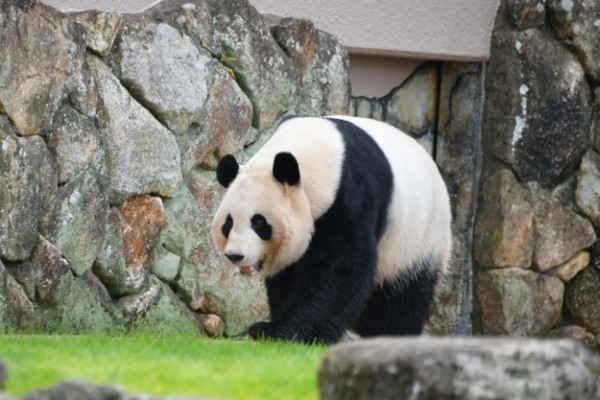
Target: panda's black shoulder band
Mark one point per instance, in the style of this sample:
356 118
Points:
286 169
227 170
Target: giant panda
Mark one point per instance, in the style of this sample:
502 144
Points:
348 221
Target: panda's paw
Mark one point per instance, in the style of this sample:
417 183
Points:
257 330
270 330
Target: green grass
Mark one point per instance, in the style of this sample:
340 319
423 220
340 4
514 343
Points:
166 365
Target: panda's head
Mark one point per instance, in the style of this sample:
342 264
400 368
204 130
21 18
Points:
264 222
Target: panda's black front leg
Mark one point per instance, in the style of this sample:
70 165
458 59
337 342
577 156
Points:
272 330
285 295
317 301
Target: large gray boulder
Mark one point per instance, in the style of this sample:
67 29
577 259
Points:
559 232
28 183
177 94
242 41
518 302
429 368
222 127
41 49
74 221
142 154
74 142
538 119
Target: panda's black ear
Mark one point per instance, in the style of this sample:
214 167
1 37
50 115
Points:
285 169
227 170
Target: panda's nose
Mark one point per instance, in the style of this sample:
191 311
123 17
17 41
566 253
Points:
233 257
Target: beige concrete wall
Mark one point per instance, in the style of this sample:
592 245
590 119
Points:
123 6
375 76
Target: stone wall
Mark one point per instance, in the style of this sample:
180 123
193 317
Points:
537 267
525 261
110 129
111 126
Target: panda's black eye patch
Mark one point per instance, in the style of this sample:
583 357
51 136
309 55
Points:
226 228
261 227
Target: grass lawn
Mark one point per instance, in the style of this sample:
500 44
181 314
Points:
165 365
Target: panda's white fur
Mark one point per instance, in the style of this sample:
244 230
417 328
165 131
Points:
417 232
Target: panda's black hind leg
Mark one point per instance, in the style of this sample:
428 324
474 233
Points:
399 308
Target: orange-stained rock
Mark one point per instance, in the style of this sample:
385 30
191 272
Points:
142 219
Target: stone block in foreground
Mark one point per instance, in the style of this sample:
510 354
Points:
2 376
431 368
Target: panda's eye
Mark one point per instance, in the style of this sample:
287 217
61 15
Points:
226 228
261 227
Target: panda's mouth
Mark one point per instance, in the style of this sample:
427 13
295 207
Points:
249 270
